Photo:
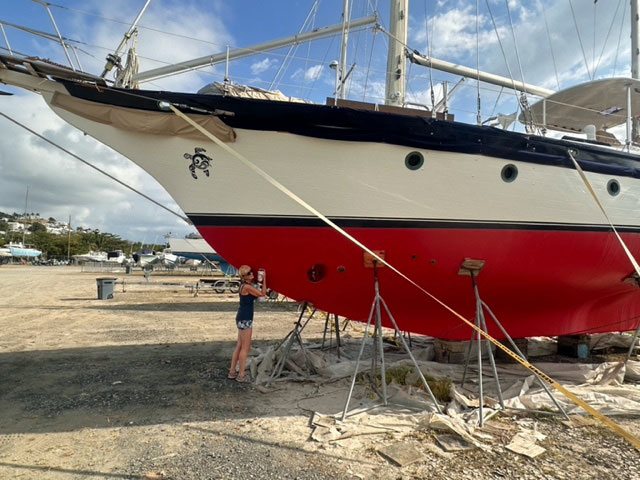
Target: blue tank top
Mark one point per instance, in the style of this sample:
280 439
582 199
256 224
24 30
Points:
245 310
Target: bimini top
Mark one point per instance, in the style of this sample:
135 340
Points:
602 103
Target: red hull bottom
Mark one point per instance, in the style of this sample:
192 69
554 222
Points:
536 282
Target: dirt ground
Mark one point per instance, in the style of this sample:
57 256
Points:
135 387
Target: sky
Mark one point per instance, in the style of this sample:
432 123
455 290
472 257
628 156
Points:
552 43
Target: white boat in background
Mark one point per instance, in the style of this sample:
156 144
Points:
145 256
20 250
116 256
90 256
168 259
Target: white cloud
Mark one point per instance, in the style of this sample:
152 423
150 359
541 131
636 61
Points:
60 186
263 65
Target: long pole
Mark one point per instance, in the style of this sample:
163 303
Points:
69 240
26 201
481 76
243 52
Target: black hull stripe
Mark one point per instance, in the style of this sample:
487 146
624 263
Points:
204 220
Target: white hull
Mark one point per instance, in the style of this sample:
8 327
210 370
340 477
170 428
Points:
366 180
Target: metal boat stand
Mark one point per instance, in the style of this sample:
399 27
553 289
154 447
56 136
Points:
327 326
472 269
378 351
633 343
294 335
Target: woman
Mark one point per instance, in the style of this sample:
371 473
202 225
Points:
244 321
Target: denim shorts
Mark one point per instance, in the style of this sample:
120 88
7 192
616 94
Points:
244 324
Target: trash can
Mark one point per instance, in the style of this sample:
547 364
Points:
127 269
106 287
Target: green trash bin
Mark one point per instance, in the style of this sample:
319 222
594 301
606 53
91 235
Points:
106 288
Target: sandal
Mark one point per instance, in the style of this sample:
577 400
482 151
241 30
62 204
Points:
232 376
243 379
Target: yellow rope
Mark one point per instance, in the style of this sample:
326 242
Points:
612 425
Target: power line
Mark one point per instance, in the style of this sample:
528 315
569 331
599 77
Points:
50 142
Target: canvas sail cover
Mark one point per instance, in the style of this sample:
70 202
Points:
155 123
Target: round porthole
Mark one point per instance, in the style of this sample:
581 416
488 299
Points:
509 173
316 273
613 187
414 160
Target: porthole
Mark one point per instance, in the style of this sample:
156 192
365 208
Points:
613 187
414 160
509 173
316 273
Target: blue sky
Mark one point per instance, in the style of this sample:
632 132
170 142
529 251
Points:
593 45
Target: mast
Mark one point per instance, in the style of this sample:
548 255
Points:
342 70
635 70
635 39
397 59
24 218
114 59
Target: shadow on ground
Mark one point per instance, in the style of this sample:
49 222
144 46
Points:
70 389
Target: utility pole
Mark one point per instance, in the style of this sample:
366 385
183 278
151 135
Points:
69 240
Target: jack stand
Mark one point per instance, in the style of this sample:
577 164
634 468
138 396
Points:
337 329
293 336
406 334
379 351
633 343
472 268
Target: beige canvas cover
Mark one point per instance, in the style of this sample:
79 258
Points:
602 103
155 123
245 91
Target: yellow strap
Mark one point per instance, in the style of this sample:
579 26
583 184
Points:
612 425
595 197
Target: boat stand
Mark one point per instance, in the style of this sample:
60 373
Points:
633 343
472 268
327 326
378 350
294 335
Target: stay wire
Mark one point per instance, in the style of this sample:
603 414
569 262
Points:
553 57
504 55
613 19
584 55
615 63
50 142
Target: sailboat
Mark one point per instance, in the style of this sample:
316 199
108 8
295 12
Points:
426 192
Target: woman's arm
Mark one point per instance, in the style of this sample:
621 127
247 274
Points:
250 289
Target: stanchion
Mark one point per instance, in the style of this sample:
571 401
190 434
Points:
329 327
473 268
293 336
378 351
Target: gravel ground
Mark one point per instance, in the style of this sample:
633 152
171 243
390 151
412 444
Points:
136 387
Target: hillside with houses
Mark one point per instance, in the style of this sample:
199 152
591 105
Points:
56 239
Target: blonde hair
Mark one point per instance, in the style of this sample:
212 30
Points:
243 271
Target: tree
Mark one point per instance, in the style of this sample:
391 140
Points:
51 219
37 227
